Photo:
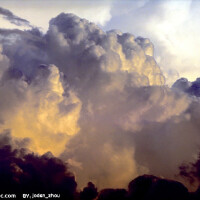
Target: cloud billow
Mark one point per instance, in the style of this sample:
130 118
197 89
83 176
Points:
96 99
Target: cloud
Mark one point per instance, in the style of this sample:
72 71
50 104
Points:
151 187
192 88
112 194
106 52
164 22
4 63
191 171
23 171
148 187
89 192
95 99
38 108
13 18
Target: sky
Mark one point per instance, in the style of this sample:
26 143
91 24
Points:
109 87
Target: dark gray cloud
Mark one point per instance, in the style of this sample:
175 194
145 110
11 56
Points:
8 15
192 88
151 187
23 171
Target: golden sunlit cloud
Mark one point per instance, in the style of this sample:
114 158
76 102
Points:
41 115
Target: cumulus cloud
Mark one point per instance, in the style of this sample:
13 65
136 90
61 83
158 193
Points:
38 108
192 88
148 187
96 99
165 23
151 187
130 96
89 192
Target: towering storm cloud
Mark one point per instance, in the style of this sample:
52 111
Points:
96 99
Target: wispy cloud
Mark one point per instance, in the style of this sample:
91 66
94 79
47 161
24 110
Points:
8 15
